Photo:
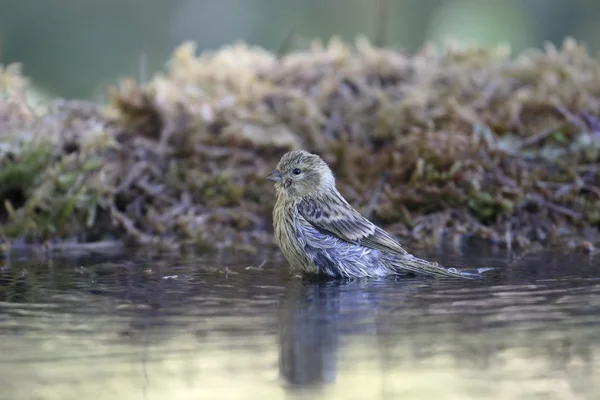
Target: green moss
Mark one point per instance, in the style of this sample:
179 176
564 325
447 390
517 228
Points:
21 166
58 200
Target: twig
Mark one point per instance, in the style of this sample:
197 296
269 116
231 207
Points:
140 236
537 137
500 175
565 189
592 189
134 173
505 180
592 122
555 207
179 208
486 94
260 266
572 118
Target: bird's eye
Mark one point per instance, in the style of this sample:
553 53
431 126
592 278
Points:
297 171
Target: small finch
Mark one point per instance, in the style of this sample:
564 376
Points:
320 233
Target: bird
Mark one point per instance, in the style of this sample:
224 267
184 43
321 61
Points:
320 233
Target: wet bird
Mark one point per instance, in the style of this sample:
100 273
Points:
319 232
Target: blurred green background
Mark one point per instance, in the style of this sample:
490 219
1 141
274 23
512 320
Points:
75 48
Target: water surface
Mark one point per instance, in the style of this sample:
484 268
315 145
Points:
207 328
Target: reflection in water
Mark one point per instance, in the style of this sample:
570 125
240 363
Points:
313 317
202 329
493 334
308 336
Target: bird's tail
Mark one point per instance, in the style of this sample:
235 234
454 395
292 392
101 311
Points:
420 266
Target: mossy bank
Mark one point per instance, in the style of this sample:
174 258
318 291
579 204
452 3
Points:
463 143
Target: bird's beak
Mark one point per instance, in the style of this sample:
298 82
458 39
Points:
275 176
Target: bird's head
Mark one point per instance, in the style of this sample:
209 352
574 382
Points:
300 174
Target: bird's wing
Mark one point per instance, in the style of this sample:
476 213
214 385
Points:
336 217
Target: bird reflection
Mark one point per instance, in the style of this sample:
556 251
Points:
419 323
313 318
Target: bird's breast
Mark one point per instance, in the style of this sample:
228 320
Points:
287 235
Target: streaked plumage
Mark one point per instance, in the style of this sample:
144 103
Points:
319 232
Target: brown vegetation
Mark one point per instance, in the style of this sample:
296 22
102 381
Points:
469 142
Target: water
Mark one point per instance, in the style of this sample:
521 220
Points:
211 329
